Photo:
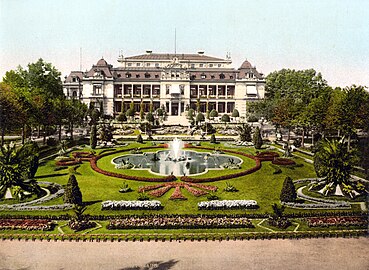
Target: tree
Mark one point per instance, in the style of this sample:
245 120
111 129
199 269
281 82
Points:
213 114
235 113
130 113
150 117
257 139
122 117
72 193
18 167
93 137
200 118
142 112
225 119
288 193
245 132
190 113
334 161
75 112
213 139
10 111
139 138
105 133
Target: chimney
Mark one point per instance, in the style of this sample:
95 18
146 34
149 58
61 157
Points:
200 52
148 52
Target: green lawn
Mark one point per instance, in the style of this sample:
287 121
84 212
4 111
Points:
262 186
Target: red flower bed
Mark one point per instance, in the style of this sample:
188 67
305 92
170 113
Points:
336 221
26 224
283 161
84 156
267 156
68 162
160 191
177 194
195 192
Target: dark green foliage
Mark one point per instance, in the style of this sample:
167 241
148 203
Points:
208 128
72 193
213 139
288 193
225 118
230 188
257 139
277 219
93 137
245 132
276 169
334 161
200 117
122 117
235 113
150 117
212 196
213 113
139 138
105 133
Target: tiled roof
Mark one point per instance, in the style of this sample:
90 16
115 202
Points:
246 64
102 63
180 56
74 74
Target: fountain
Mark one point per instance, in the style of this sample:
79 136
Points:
176 161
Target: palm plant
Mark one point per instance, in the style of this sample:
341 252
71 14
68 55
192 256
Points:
18 166
334 161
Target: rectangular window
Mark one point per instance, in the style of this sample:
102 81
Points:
221 107
138 64
210 65
156 64
97 90
129 64
192 65
230 107
201 65
147 64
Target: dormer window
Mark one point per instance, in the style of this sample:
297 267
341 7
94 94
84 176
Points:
128 75
231 77
74 79
147 75
193 77
203 76
156 76
137 75
221 76
212 76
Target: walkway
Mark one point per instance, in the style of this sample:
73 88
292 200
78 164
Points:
322 254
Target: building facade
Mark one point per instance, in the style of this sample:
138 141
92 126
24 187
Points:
175 82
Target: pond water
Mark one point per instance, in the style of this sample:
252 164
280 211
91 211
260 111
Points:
185 163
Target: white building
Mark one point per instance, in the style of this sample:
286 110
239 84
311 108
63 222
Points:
176 81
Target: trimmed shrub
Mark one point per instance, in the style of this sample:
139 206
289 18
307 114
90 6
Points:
257 139
288 193
213 139
139 138
93 137
72 193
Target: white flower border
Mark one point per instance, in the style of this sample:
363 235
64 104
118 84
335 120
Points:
122 205
227 204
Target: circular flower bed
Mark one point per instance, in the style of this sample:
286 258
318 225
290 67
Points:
283 161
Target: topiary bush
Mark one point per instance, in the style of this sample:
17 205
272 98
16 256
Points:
72 193
257 139
288 193
139 138
213 139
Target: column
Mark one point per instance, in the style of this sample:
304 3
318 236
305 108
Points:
179 106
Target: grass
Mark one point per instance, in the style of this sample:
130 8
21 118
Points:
262 186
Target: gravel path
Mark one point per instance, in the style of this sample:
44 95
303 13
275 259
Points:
330 253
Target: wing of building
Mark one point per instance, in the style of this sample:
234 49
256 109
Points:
174 81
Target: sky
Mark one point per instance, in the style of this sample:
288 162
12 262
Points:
330 36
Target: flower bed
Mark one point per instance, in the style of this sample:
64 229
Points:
26 224
131 205
228 204
337 221
160 189
267 156
81 225
180 222
84 156
283 161
68 162
177 194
